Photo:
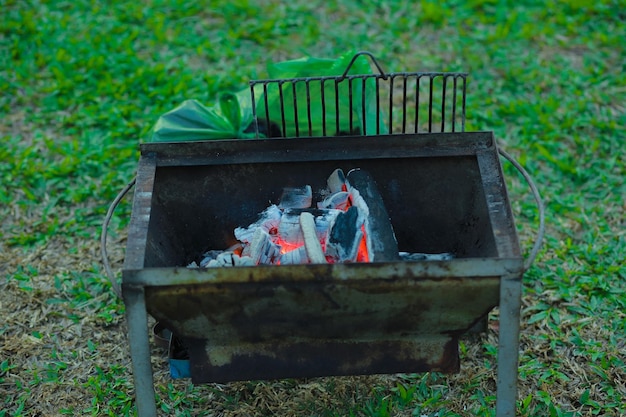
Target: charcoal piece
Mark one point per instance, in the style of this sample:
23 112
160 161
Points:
345 236
336 181
381 240
311 243
208 256
227 260
289 229
256 246
294 257
268 221
338 201
296 197
261 250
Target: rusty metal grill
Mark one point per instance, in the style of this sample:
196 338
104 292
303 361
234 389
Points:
444 191
404 102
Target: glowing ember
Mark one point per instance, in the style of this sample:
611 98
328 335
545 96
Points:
363 254
294 232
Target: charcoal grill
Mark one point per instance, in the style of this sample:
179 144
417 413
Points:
444 192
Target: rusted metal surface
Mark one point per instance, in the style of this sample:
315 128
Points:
305 358
499 208
141 215
451 269
241 152
398 324
442 194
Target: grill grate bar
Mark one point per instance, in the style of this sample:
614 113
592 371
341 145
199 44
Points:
323 96
454 104
308 107
443 104
282 107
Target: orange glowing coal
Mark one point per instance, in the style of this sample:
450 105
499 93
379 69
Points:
363 254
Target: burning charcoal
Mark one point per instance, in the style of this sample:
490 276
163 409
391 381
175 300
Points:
323 221
350 225
223 259
254 246
345 236
311 243
296 197
262 250
271 253
289 231
381 240
336 181
269 220
209 256
229 259
294 257
243 261
339 201
226 259
405 256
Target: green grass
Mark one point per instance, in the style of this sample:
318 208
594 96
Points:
83 82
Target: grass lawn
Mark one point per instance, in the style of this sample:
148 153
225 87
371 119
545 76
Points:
82 82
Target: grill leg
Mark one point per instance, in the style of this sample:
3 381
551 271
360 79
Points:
508 344
137 319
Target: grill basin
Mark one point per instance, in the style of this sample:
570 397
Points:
444 193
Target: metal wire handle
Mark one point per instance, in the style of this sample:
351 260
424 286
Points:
103 237
540 207
372 57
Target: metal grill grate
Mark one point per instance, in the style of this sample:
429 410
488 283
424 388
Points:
359 104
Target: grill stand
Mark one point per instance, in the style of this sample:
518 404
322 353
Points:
508 344
137 319
134 295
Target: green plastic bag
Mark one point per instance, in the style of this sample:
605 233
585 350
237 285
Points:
193 121
232 118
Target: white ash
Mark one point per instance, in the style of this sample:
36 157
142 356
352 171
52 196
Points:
340 201
262 250
336 181
289 228
314 250
446 256
210 256
268 221
294 257
214 259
